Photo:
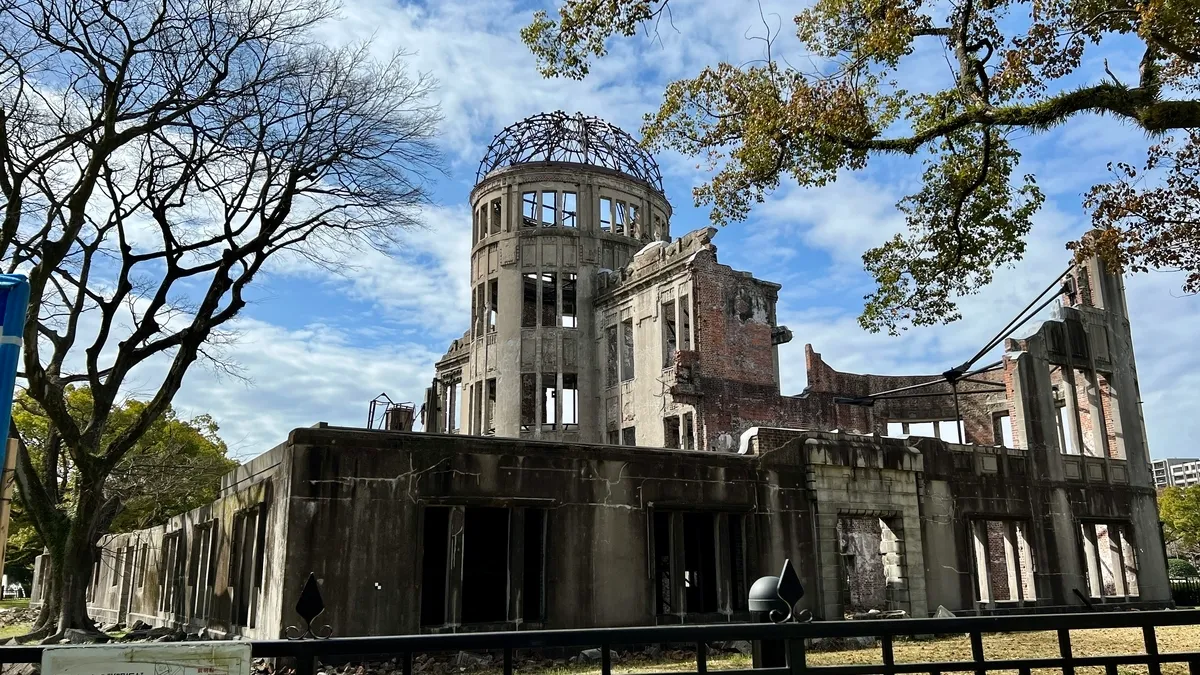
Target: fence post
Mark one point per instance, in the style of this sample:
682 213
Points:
796 658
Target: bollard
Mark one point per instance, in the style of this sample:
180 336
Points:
764 599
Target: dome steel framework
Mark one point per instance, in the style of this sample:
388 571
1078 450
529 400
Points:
559 137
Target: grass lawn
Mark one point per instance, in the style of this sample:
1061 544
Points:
958 648
7 632
14 603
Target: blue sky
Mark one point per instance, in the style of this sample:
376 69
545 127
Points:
315 347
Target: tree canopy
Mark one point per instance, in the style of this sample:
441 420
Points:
1015 67
1179 510
173 468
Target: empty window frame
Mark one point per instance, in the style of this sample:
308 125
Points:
549 401
611 363
687 425
549 208
627 350
606 209
493 300
479 231
246 562
1004 563
456 408
529 301
702 576
489 415
143 563
629 436
614 437
496 217
115 577
477 309
669 336
570 401
671 431
1002 431
1110 559
435 572
203 567
529 209
528 401
570 317
569 210
634 227
1066 434
619 218
172 573
549 299
947 430
685 323
487 537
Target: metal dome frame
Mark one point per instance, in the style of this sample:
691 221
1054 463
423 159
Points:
559 137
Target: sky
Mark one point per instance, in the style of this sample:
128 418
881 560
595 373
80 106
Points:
315 347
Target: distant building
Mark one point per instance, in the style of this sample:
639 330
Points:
1176 472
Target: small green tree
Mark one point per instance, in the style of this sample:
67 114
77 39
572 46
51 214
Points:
174 467
1179 510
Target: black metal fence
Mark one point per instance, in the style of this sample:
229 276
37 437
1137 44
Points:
307 653
1186 591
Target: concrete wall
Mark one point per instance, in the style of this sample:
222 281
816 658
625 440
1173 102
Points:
133 579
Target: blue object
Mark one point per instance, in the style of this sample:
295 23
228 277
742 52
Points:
14 300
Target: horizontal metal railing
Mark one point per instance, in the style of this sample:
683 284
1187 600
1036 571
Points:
307 653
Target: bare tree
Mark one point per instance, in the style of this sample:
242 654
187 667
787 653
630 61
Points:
154 155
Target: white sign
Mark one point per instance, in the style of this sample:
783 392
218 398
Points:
171 658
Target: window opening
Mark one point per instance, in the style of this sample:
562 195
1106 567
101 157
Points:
1066 436
635 226
669 338
948 431
485 565
627 350
1002 431
496 217
247 557
569 317
570 400
737 563
662 562
1003 561
671 432
528 401
619 220
699 563
534 592
1110 557
489 425
610 340
629 436
529 209
569 209
605 214
529 291
685 323
493 299
116 568
143 562
549 208
689 442
549 299
549 400
456 403
434 568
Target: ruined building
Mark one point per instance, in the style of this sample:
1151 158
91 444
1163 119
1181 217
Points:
608 445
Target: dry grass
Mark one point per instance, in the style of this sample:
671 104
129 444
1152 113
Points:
995 647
